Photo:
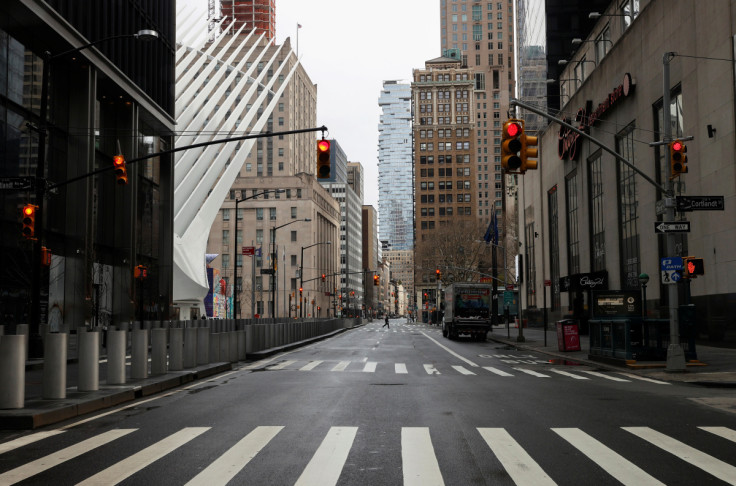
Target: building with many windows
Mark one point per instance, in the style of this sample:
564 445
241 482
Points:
589 221
443 132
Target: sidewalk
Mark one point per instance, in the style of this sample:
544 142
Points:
715 367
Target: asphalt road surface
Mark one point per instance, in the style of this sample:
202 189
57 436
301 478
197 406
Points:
392 406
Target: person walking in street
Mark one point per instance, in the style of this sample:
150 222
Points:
386 325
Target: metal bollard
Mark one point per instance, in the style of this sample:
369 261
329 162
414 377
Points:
176 349
139 354
89 361
12 371
117 343
54 366
159 357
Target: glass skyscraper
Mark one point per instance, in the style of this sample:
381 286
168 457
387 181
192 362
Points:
395 177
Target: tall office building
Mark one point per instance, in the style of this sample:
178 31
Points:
481 36
395 167
444 115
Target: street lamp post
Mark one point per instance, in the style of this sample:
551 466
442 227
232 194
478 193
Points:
235 245
273 261
35 342
301 272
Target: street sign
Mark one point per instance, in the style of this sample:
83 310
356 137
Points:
672 227
671 263
700 203
267 271
659 207
670 277
548 283
16 183
510 287
249 250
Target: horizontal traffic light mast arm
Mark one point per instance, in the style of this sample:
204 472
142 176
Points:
187 147
539 112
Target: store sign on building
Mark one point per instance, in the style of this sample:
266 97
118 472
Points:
568 142
584 281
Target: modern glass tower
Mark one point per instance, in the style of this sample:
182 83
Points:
395 177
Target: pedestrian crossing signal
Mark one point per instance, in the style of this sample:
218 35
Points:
693 267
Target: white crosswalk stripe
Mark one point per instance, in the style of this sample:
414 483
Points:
370 367
567 373
341 366
520 465
281 365
463 371
603 375
127 467
327 463
707 463
36 467
623 470
400 368
532 372
311 365
418 459
644 378
497 371
229 464
28 439
419 454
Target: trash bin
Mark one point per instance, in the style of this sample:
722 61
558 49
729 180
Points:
568 336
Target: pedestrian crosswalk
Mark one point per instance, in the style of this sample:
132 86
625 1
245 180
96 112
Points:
364 366
496 451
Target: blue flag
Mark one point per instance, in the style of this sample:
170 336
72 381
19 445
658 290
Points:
492 231
258 252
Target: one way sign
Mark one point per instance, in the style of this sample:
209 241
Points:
672 227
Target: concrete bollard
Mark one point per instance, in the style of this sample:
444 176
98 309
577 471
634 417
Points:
176 349
203 345
190 347
249 338
215 347
117 343
54 366
232 340
242 344
224 346
139 354
159 357
89 361
12 371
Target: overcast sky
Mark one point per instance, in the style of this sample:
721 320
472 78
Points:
348 49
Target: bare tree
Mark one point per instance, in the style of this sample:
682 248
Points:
457 250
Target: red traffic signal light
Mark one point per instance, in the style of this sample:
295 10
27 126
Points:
140 272
376 280
678 158
439 274
323 159
511 145
324 277
28 215
121 172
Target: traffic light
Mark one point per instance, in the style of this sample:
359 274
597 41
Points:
678 158
45 256
323 159
693 267
324 277
28 214
511 145
140 272
527 153
121 173
439 274
300 292
376 280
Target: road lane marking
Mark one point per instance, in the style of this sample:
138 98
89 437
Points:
707 463
311 365
28 439
341 366
571 375
462 370
724 432
327 463
418 459
431 370
643 378
518 464
127 467
497 371
614 464
450 351
400 368
533 373
370 367
40 465
603 375
231 462
281 365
